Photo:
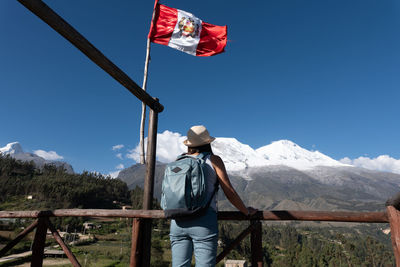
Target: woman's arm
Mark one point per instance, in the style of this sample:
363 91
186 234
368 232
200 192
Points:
227 187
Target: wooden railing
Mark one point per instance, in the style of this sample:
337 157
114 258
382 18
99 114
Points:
391 215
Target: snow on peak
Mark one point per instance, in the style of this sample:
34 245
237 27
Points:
40 157
285 152
238 156
12 149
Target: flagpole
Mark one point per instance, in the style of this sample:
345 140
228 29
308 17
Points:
143 117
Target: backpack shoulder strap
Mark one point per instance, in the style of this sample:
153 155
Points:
182 156
201 156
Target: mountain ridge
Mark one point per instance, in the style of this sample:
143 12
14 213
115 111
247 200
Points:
284 175
238 156
283 187
15 150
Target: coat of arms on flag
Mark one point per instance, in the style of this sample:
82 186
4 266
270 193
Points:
183 31
188 27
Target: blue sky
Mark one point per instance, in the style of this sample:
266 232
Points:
323 74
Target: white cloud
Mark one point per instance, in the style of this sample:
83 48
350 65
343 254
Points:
346 160
48 155
120 166
380 163
117 147
169 146
119 155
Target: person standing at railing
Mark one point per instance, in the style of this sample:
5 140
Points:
200 235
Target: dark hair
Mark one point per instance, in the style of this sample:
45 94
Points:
200 149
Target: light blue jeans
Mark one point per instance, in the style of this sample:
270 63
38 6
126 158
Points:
199 235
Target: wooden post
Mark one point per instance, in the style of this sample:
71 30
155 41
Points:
234 243
64 247
256 245
151 161
136 244
149 185
44 12
38 243
19 237
394 219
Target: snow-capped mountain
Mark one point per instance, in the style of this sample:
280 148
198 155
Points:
283 175
15 150
285 152
238 156
11 149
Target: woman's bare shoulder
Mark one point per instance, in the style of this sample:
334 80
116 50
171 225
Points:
215 157
216 160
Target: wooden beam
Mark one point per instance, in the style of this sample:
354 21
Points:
135 246
281 215
234 243
394 218
18 238
290 215
64 247
44 12
39 243
394 201
84 213
256 245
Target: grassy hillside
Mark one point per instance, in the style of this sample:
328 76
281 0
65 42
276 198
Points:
53 188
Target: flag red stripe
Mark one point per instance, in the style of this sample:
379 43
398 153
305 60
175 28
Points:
212 40
164 23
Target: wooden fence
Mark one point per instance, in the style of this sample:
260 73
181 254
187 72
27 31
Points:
391 215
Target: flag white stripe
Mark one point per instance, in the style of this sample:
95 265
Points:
186 41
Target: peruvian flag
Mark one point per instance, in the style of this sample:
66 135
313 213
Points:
183 31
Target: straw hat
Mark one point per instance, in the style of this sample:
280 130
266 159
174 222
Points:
198 136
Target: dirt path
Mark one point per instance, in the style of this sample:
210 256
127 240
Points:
48 262
15 256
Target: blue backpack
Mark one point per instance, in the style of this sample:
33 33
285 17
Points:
184 188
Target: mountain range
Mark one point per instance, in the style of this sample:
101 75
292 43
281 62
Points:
15 150
284 175
281 175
